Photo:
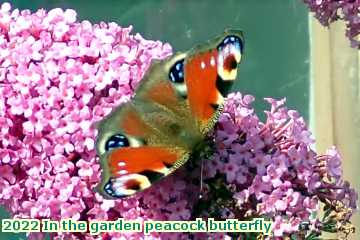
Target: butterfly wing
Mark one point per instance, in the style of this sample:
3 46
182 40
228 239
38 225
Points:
210 70
195 83
133 151
170 96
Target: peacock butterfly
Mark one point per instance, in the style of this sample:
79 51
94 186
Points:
175 106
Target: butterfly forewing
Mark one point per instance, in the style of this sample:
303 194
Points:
210 70
137 147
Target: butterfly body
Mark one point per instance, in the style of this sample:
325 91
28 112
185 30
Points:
176 104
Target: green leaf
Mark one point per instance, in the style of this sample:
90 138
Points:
312 236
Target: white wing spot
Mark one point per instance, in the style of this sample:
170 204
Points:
121 164
212 61
123 172
203 65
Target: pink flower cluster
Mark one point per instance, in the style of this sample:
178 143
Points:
59 76
271 170
327 11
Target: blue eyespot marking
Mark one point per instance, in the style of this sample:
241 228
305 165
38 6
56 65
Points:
176 73
110 190
116 141
232 39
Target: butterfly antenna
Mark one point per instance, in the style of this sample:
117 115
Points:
201 178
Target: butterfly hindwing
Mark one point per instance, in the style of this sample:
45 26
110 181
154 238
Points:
160 87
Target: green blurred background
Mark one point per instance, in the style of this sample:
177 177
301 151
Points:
276 58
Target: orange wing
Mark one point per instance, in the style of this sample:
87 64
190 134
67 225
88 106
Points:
133 152
201 76
210 70
133 169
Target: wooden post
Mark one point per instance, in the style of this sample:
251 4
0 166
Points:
335 98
